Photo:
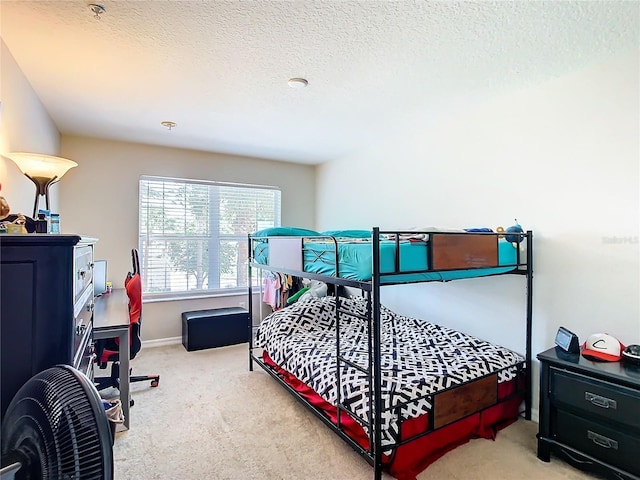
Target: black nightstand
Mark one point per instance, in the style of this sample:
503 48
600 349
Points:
590 414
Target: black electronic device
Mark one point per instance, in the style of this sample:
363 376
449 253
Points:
631 354
567 340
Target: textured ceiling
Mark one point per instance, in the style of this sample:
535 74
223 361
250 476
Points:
219 69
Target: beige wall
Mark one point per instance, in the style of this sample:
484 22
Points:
25 126
99 198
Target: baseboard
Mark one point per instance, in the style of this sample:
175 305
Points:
534 415
161 342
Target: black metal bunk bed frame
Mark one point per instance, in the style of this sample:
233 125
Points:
371 290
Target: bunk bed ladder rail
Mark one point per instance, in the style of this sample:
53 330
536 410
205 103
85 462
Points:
341 406
250 299
374 358
374 423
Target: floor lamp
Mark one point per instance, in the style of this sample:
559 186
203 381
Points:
43 170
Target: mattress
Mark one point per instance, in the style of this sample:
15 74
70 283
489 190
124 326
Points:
355 260
418 359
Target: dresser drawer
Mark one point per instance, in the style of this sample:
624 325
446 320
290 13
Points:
82 271
86 361
599 441
82 332
595 397
85 355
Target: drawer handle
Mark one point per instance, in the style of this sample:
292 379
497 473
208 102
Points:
89 371
600 401
601 440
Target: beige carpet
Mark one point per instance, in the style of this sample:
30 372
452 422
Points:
211 418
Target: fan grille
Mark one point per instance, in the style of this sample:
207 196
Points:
57 422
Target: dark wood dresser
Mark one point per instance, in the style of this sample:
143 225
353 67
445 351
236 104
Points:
46 307
590 414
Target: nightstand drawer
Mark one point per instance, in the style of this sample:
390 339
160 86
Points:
609 401
604 443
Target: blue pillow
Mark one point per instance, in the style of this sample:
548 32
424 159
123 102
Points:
285 232
348 233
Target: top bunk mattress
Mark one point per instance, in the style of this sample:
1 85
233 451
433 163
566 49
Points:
444 257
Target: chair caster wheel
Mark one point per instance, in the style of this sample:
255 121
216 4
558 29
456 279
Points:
154 383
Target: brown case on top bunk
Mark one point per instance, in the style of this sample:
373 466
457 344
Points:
460 251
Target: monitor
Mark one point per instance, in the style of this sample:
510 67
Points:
99 277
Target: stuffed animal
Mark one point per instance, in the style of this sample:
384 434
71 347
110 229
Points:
316 290
514 230
4 206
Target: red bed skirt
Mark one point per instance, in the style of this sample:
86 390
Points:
409 459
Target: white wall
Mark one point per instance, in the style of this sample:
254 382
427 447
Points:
99 198
25 126
562 158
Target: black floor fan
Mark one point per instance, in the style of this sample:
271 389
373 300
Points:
56 428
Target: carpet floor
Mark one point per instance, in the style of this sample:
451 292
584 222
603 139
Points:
211 418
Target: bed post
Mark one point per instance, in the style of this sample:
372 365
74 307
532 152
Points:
528 362
377 394
249 301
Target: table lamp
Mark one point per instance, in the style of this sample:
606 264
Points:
43 170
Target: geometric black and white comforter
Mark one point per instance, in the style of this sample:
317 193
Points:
418 358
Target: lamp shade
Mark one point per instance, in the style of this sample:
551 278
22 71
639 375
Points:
42 170
36 165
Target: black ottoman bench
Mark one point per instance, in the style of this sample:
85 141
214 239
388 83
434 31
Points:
214 328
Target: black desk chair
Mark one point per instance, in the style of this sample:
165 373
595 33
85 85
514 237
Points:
107 349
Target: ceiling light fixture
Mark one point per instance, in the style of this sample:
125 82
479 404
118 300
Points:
297 83
97 10
169 125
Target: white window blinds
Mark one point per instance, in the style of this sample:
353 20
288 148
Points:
193 233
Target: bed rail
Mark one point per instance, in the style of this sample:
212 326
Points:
406 256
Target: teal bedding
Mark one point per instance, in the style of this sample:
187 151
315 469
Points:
355 262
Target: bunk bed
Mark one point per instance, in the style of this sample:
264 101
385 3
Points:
401 391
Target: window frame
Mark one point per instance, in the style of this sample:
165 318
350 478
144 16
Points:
217 237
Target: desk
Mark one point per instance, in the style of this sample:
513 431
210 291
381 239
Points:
111 320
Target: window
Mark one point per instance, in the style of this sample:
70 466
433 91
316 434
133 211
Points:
193 234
